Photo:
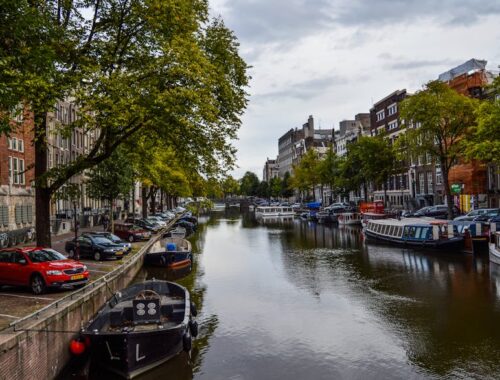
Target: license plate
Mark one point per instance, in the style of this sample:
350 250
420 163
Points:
119 253
77 277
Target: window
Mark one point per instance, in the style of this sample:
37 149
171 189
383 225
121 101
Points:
381 115
421 183
21 171
430 187
15 171
439 176
428 158
20 146
393 124
392 109
4 215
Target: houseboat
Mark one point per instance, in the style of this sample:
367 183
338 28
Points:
273 211
476 235
141 327
414 232
172 252
349 218
372 211
495 248
326 216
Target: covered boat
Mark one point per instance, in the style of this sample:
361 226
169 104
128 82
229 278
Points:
171 252
349 218
495 248
415 232
141 327
178 231
274 211
476 235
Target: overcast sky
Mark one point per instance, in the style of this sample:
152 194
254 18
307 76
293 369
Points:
335 58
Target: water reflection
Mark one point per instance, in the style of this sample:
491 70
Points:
296 300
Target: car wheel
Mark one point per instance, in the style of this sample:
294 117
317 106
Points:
37 284
97 256
71 254
131 238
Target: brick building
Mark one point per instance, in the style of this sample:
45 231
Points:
17 194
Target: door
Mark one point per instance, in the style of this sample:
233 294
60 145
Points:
21 270
5 267
85 246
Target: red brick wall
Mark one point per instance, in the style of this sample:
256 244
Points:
24 132
472 175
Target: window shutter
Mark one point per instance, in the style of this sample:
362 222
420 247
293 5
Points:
4 215
18 213
30 213
24 214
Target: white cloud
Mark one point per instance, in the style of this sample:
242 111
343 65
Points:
332 59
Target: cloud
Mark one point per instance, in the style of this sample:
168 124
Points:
307 89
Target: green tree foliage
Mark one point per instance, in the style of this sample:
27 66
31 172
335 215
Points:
484 143
438 122
286 186
230 186
263 190
249 184
275 187
159 68
329 170
306 174
111 179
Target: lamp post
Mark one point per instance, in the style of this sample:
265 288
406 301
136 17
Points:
77 246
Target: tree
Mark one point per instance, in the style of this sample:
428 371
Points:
111 179
159 68
286 186
275 187
263 190
230 186
249 184
484 143
306 174
329 170
438 122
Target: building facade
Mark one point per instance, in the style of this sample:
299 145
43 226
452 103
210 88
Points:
17 193
271 170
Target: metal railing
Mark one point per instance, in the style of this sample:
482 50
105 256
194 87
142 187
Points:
104 280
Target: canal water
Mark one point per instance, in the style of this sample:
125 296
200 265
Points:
297 300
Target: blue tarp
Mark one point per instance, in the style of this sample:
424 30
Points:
313 205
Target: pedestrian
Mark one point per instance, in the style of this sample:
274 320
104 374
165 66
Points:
105 222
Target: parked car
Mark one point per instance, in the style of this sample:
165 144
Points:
97 247
127 247
131 233
474 214
438 211
157 220
40 268
296 205
165 216
143 223
179 210
488 216
337 205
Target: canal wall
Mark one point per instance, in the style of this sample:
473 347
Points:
37 347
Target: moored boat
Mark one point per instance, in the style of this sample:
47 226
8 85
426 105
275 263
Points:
141 327
171 252
494 248
349 218
273 211
415 232
476 235
178 231
326 216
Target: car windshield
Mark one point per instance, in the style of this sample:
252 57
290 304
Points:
112 237
44 255
101 240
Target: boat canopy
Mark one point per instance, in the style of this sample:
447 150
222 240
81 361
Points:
313 205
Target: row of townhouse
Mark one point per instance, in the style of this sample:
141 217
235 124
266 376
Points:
17 177
419 182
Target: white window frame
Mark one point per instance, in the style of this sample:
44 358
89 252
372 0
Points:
392 109
20 174
393 125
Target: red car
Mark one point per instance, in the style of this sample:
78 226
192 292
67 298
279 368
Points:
131 233
40 268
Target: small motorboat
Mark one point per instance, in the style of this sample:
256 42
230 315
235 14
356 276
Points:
178 231
141 327
171 252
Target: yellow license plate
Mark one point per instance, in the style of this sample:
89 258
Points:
119 253
77 277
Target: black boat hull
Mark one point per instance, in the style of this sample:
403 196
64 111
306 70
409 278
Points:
129 355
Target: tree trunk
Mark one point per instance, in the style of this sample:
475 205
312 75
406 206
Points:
42 193
152 194
365 191
161 200
144 194
385 193
447 191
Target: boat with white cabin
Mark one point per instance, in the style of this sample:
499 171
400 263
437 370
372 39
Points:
415 232
349 218
495 248
273 211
